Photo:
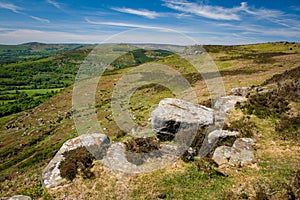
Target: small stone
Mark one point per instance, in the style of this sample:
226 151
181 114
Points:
240 154
162 196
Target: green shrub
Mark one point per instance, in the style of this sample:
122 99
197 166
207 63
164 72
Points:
288 128
206 165
273 103
244 126
79 159
35 192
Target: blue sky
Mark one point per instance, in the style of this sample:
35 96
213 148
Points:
157 21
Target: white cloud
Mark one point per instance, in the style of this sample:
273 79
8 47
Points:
212 12
142 12
256 30
218 12
130 25
263 13
40 19
54 3
11 7
16 9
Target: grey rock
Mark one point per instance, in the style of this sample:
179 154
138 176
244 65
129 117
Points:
96 143
215 135
214 132
19 197
226 103
212 138
173 115
117 160
240 154
241 91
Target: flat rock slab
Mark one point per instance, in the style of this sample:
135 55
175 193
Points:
172 114
118 161
96 143
240 154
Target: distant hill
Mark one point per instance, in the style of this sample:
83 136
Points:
33 50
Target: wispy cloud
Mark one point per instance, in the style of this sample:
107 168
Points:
17 9
141 12
218 12
212 12
260 30
261 12
54 3
121 24
11 7
40 19
296 8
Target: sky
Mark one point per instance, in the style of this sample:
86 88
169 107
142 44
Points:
149 21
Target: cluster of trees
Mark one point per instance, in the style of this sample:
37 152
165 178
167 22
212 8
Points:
48 73
138 56
52 72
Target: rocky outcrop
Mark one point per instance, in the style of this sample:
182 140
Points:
173 115
95 143
179 120
173 120
240 154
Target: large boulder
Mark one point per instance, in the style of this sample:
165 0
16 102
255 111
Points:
96 143
240 154
173 115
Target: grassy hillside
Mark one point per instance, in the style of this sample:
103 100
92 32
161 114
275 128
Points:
29 139
33 51
26 84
